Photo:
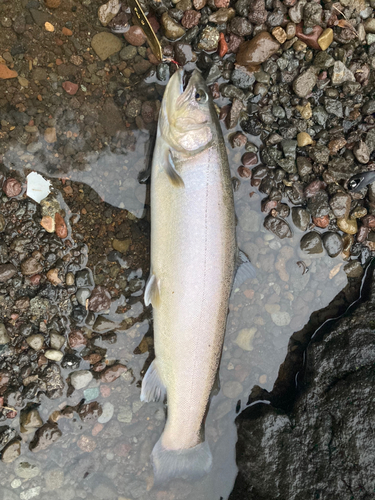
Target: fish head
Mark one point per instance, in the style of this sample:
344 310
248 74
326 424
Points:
186 118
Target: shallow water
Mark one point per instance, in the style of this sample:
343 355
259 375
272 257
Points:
112 460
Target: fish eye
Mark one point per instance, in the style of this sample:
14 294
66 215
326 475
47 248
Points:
354 183
201 96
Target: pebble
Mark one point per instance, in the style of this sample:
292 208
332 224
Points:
108 11
353 269
107 414
361 152
86 444
278 226
279 34
112 373
7 271
340 204
11 452
70 87
91 393
80 379
232 389
49 27
332 243
48 224
105 45
30 420
304 83
258 50
52 4
31 266
209 39
311 243
128 53
326 38
30 493
245 338
304 139
2 223
100 299
50 135
66 31
77 339
300 218
121 245
348 226
35 341
172 29
311 39
44 437
53 277
281 318
82 295
53 355
61 229
190 18
4 337
54 479
12 187
56 341
341 74
135 36
6 73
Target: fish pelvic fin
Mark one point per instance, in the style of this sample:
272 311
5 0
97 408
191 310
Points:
152 292
245 270
153 388
170 170
189 464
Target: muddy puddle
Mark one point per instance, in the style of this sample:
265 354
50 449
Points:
104 448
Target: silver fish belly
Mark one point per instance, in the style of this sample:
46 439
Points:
193 248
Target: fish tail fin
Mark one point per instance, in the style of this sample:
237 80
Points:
190 463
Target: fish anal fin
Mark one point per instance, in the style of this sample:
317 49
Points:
152 293
245 270
172 173
153 388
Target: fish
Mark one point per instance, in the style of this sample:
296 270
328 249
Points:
359 181
194 256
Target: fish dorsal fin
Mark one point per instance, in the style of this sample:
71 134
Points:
245 270
170 170
152 293
153 388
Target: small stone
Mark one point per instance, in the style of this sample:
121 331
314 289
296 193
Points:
80 379
325 39
82 295
332 243
112 373
44 437
222 16
35 341
6 73
53 277
30 468
279 34
90 412
232 389
100 299
56 340
135 36
121 245
107 414
31 266
12 187
209 39
4 337
341 74
50 135
66 31
48 224
290 30
86 444
172 29
53 355
340 205
245 337
305 111
278 226
77 339
258 50
348 226
190 18
52 4
281 318
304 139
49 27
108 11
311 243
353 269
70 87
361 152
304 83
241 26
301 218
128 53
31 420
311 39
322 221
54 479
60 226
105 44
11 452
7 271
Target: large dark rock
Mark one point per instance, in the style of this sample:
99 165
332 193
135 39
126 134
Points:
323 448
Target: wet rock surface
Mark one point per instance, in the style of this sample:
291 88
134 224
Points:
311 451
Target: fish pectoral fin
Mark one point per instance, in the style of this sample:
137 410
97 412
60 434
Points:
245 270
172 173
152 293
153 388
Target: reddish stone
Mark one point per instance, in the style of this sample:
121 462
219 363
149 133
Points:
222 4
154 23
244 172
249 159
60 227
112 373
70 87
267 205
368 221
362 234
234 42
321 221
214 88
77 339
6 73
105 391
310 40
190 18
12 187
35 280
224 112
93 358
66 31
223 46
135 36
122 450
96 429
313 188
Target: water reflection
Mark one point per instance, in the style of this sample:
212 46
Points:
110 459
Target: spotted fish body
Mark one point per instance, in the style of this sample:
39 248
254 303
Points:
193 253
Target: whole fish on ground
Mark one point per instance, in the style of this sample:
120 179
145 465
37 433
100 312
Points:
193 261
